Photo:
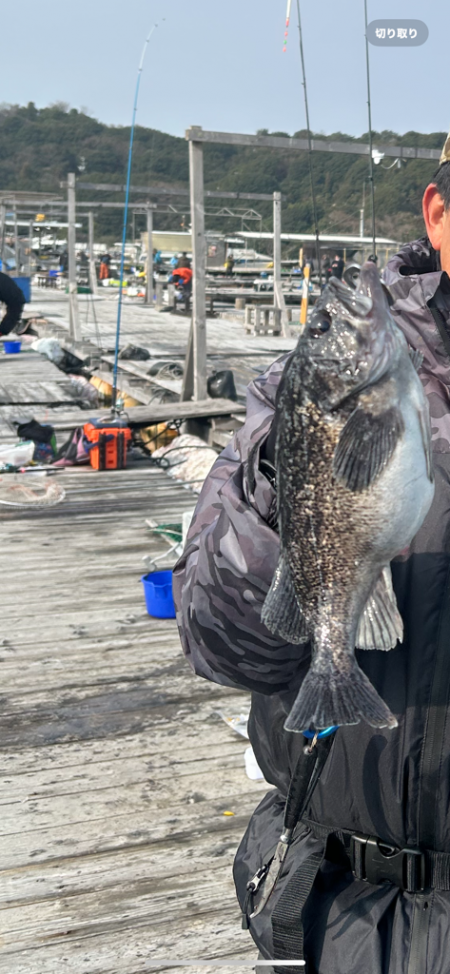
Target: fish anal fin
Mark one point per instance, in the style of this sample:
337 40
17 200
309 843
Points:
380 625
281 612
366 444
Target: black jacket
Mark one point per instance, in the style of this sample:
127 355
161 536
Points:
390 784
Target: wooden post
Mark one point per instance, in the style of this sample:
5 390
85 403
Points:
277 321
92 271
3 234
171 297
16 244
197 360
149 284
277 281
30 255
74 323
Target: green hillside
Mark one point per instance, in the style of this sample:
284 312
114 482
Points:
39 146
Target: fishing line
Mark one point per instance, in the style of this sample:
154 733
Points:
311 176
125 217
369 110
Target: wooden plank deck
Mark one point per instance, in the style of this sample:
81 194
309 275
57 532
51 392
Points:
115 768
162 333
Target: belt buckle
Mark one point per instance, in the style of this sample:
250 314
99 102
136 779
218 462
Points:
375 862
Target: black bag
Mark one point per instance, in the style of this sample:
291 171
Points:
221 385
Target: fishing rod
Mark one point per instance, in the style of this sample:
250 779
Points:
369 109
125 219
311 176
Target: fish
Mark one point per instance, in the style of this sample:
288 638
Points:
354 483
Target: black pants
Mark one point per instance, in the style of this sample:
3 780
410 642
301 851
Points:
10 319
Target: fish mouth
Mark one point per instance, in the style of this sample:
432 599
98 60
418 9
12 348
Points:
370 284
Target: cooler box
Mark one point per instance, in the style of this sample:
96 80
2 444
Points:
107 446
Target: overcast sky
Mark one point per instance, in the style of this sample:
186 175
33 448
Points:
220 64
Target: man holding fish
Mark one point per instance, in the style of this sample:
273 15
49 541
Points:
317 575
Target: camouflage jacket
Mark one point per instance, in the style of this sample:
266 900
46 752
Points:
224 574
222 578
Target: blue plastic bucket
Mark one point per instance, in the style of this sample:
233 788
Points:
25 286
11 348
158 594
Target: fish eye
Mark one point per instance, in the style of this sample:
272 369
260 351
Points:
320 325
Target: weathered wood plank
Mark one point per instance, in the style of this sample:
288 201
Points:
115 771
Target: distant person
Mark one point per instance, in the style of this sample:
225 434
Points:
64 261
174 260
229 264
326 267
157 258
11 295
182 276
337 266
105 262
184 261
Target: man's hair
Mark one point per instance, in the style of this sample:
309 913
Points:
441 179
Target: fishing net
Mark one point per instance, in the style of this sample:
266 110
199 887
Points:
30 490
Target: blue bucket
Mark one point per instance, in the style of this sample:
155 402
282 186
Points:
25 286
158 594
12 347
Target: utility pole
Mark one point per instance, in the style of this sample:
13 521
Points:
74 322
92 271
369 112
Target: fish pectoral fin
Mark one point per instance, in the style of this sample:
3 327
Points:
281 611
424 423
333 696
365 446
416 357
381 625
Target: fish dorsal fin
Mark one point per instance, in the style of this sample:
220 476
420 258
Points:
381 625
365 446
281 613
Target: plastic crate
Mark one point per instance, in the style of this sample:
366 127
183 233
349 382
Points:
107 446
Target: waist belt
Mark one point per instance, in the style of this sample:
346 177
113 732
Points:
375 861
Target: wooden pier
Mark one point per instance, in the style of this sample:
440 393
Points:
115 768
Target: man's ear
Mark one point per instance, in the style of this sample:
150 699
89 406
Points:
433 213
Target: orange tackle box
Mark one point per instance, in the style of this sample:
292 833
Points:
107 445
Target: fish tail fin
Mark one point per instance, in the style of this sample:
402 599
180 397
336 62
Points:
335 697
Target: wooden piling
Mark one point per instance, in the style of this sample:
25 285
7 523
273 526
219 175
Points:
149 284
74 322
92 271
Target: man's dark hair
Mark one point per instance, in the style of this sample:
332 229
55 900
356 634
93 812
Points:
441 179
